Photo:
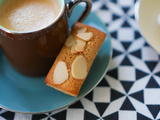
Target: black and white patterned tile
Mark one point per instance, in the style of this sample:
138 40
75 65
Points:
131 88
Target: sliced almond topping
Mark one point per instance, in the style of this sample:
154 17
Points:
80 45
60 74
73 50
85 36
70 41
79 67
82 30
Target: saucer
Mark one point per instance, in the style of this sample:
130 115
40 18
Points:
147 14
24 94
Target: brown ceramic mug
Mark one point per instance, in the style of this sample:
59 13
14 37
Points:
33 53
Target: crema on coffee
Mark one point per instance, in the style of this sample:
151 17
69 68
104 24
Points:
28 15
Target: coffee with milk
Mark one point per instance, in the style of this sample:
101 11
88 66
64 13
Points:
32 32
28 15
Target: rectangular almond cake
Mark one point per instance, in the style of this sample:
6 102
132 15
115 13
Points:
74 61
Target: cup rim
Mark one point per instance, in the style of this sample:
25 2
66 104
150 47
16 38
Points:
34 31
137 7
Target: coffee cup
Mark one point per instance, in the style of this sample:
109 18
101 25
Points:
31 36
147 14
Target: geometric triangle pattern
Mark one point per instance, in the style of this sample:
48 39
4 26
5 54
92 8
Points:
90 96
104 7
126 45
89 116
113 73
137 53
115 17
114 34
130 90
127 105
76 105
152 83
140 74
113 116
125 9
126 62
127 85
59 115
115 95
40 116
133 17
141 117
125 24
101 107
103 83
137 35
7 115
154 109
146 44
151 65
138 96
116 53
114 1
158 74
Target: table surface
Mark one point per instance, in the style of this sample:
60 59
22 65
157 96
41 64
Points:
130 89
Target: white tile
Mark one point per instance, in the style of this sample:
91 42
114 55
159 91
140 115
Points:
138 63
117 45
105 16
152 96
96 5
125 2
136 45
20 116
90 106
139 85
101 94
114 25
2 118
157 79
3 111
75 114
114 106
126 34
115 84
141 107
157 68
115 8
131 12
116 61
126 73
127 115
158 116
148 54
133 23
58 111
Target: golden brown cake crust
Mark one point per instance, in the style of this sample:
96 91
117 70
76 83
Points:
72 86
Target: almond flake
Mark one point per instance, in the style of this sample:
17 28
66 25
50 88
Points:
80 45
60 74
73 50
85 36
70 41
79 67
82 30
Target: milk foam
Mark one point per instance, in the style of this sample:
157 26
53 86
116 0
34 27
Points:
28 15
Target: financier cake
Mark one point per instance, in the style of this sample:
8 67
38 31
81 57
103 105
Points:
74 61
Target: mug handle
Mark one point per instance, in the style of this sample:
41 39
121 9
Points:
73 3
